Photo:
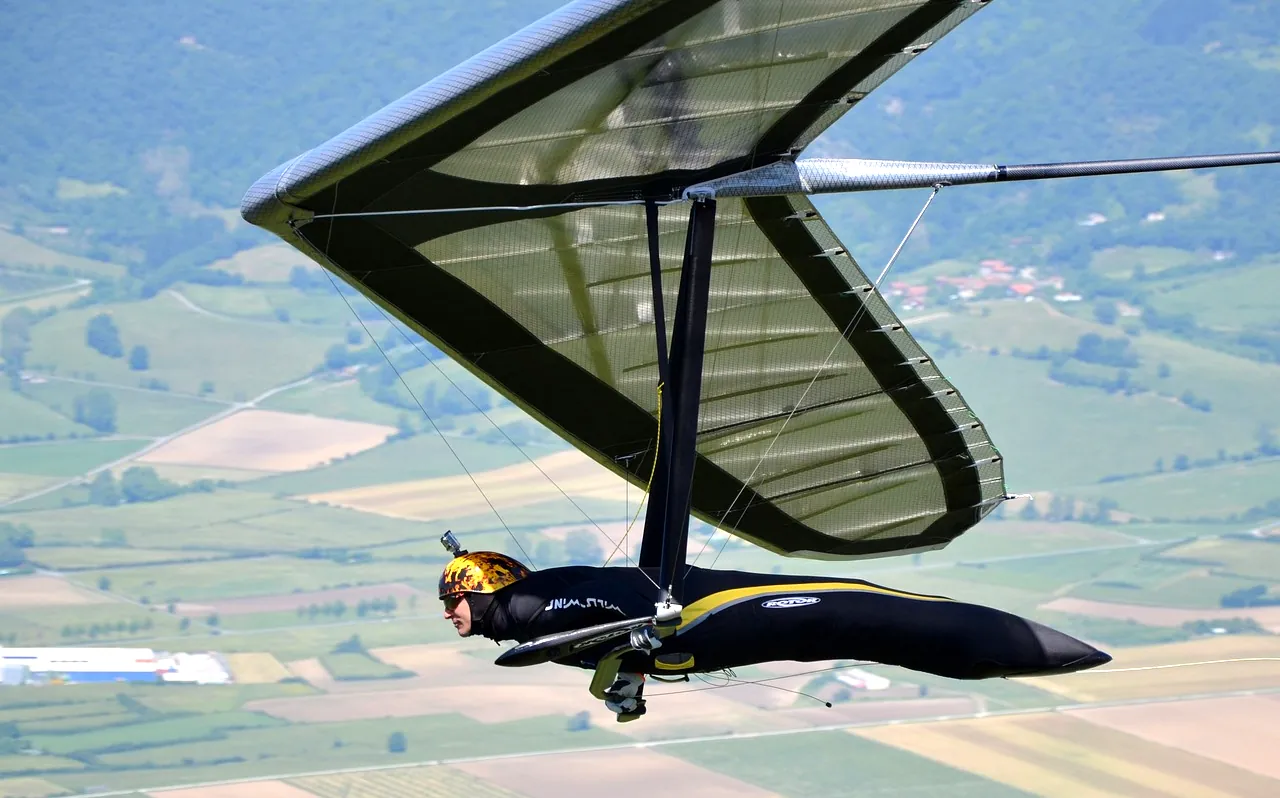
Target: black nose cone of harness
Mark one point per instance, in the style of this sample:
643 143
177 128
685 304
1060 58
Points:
1061 653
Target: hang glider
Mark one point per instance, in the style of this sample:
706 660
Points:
519 211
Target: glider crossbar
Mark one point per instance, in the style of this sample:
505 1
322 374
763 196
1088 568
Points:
839 175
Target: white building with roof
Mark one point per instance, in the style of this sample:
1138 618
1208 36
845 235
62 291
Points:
92 664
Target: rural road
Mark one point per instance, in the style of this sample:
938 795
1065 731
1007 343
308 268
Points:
57 289
689 740
194 308
118 387
161 441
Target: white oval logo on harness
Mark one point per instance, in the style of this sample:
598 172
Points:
789 602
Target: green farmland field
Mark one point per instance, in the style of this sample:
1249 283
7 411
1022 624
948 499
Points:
65 459
186 348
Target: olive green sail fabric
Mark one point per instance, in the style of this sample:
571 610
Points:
824 429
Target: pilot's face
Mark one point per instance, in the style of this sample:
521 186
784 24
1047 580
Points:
458 611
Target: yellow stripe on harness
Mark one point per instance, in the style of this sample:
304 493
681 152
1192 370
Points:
683 664
709 605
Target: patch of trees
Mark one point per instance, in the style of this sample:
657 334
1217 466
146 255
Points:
15 539
1255 596
1120 383
1253 515
1260 344
177 248
332 608
11 740
15 343
1229 626
1195 402
1267 447
29 437
341 356
1068 508
93 631
1090 348
143 484
1256 343
1093 348
385 382
96 409
339 608
139 358
1259 512
386 606
352 645
342 556
384 385
102 335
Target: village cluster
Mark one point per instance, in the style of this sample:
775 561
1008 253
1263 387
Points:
995 279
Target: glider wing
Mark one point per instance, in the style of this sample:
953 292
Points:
870 451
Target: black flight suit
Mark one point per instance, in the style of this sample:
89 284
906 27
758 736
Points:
735 618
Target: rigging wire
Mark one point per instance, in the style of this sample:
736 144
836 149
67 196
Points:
626 511
731 681
842 340
503 432
440 432
1178 665
734 682
626 535
443 438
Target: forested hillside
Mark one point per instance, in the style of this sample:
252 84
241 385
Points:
138 125
1030 82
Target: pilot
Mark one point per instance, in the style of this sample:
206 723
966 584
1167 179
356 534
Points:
732 619
497 597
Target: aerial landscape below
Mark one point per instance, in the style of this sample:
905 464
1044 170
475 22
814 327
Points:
225 471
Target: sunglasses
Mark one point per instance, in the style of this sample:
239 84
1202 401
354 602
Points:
451 602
